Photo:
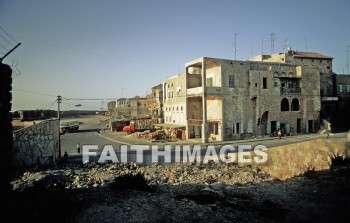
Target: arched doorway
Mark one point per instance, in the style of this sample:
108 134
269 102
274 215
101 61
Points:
263 123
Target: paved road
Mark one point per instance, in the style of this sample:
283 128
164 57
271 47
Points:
89 135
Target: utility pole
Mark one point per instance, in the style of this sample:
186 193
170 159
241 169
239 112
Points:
59 100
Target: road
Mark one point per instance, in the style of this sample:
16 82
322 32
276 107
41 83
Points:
88 135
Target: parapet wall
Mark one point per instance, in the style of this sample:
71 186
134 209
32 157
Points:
295 159
36 145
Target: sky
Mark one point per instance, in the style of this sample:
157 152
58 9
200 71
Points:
108 49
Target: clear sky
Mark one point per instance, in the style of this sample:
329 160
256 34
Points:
108 49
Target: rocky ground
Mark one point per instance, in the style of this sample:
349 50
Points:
177 193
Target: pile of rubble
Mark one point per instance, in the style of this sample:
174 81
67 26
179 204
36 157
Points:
71 176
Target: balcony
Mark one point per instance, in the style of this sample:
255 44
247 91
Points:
294 90
197 91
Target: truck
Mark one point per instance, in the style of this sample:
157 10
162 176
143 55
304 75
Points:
118 125
133 128
69 126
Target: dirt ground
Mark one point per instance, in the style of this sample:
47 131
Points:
314 197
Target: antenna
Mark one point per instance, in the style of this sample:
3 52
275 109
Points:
273 42
285 44
235 45
306 45
122 92
262 45
347 58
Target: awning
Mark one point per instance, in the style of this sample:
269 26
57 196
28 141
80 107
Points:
169 125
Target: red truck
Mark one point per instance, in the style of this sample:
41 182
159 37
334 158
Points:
133 128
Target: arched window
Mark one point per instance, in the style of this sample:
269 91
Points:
295 105
284 104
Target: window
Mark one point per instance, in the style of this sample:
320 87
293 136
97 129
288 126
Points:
348 88
256 84
284 104
275 84
237 128
231 81
340 88
264 83
214 128
295 105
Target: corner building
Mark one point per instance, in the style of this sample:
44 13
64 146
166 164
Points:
230 100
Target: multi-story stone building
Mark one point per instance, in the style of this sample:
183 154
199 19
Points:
228 100
174 108
335 88
155 102
174 100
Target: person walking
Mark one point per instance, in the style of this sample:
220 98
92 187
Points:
65 156
279 133
78 148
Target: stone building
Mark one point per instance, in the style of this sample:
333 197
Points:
322 62
229 100
174 97
138 107
334 88
155 102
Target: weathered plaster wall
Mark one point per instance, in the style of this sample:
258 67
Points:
37 144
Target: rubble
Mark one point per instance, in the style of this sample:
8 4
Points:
93 175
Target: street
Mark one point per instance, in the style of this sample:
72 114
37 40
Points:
88 134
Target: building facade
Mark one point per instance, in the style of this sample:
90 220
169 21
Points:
228 100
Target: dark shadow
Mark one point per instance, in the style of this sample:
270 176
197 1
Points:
131 182
85 130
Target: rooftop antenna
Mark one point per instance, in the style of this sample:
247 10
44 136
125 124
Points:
285 44
262 45
273 42
347 58
235 45
306 45
122 92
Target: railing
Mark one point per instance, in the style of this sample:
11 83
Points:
295 90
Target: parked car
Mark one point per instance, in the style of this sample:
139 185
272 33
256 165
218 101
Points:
69 126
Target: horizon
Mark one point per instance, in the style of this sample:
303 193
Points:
108 50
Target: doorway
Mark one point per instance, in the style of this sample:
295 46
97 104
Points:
310 124
298 125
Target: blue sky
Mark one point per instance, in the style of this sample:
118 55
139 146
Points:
108 49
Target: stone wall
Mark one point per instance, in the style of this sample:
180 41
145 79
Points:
292 160
5 127
37 144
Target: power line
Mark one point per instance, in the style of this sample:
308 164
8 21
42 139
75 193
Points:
3 47
2 37
90 99
33 92
13 39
